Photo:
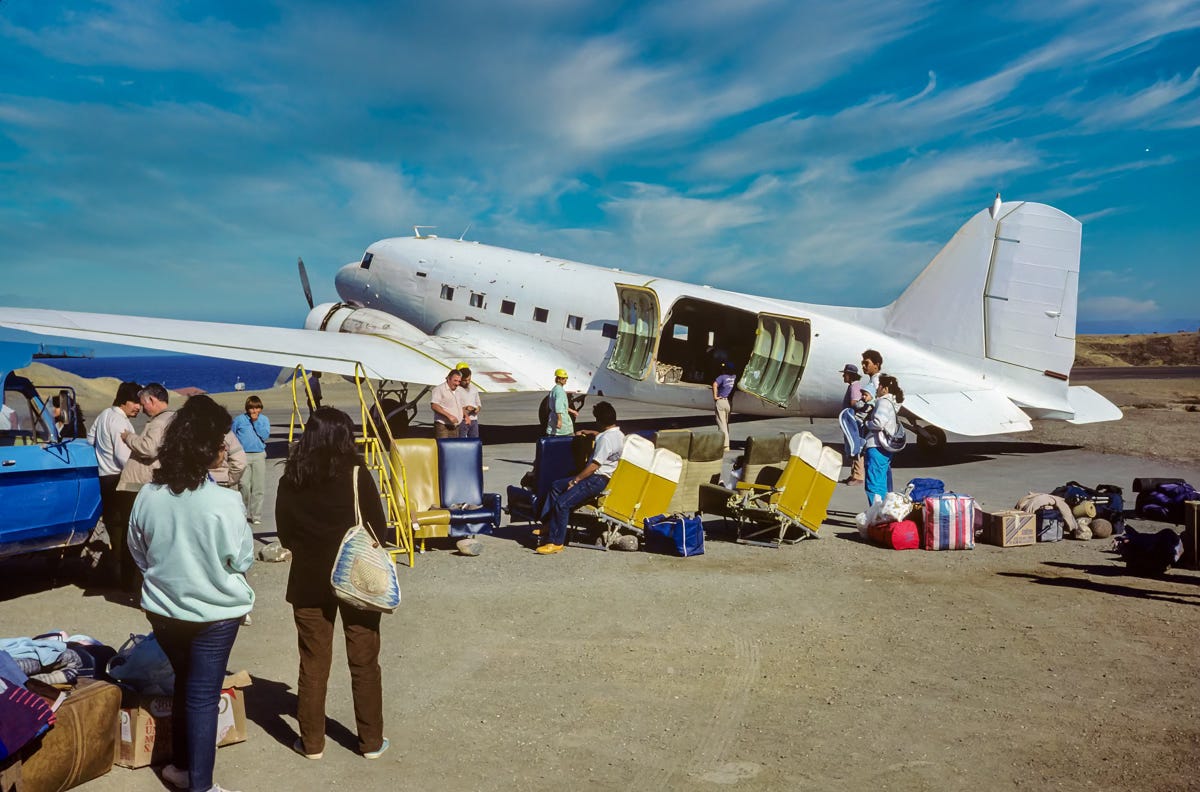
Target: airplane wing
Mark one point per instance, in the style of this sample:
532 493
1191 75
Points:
504 361
969 412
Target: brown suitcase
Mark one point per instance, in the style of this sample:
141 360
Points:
82 743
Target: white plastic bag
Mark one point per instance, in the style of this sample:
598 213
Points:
893 507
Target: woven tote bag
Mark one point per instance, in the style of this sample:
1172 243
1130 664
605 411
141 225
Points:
364 575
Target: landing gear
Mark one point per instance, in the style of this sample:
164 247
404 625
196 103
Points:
931 439
393 407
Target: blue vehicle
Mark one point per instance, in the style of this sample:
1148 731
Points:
49 484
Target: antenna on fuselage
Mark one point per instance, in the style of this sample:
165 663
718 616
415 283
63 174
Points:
417 231
465 230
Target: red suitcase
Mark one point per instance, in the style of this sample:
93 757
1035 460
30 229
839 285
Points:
901 535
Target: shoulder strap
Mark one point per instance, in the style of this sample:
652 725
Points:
357 512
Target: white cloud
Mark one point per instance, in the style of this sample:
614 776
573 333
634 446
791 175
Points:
1114 307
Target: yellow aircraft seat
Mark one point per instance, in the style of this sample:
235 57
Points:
419 459
666 468
816 509
800 473
621 497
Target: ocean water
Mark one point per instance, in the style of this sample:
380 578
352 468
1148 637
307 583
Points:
211 375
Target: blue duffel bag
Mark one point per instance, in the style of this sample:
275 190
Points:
921 488
675 534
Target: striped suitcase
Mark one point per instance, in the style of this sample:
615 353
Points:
949 522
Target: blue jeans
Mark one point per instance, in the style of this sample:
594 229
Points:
563 498
199 653
879 474
468 429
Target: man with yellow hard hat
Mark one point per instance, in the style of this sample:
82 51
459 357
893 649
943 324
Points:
562 417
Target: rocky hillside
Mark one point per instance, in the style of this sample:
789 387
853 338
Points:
1154 349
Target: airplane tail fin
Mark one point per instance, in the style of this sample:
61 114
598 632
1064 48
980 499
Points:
1004 288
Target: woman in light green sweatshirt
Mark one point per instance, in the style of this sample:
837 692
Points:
189 537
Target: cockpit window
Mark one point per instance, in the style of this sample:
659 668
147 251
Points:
366 261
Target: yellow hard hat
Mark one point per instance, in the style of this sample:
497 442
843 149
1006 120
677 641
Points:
560 373
461 365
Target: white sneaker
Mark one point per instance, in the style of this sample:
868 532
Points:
219 788
180 779
378 753
298 747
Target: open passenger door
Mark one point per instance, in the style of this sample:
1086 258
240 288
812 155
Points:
637 331
777 361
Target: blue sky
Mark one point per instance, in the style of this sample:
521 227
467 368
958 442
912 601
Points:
174 158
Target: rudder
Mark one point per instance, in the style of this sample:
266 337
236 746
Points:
1004 289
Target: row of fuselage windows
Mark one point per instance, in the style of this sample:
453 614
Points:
509 308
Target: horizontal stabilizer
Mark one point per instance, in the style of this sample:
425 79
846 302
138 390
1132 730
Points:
972 413
1091 407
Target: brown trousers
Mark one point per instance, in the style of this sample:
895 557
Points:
314 634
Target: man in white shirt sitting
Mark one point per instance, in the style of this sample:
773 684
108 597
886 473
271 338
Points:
567 493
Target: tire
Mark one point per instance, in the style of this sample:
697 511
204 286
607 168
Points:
932 438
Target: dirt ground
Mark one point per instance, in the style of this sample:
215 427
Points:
827 665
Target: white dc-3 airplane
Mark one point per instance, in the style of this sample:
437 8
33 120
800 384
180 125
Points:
981 342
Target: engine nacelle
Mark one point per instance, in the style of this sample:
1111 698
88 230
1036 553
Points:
343 318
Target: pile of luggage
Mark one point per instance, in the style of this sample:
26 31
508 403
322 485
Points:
926 516
923 516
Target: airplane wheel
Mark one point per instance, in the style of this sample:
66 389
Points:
543 413
931 438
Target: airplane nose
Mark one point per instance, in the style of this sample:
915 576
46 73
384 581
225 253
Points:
351 283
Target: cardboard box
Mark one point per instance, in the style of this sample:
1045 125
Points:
145 723
1009 528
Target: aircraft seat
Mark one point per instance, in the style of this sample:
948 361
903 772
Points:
703 453
460 479
763 462
554 458
642 486
801 499
448 504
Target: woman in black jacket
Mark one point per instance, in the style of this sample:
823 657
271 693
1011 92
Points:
313 509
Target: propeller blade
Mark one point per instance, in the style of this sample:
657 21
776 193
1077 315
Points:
304 282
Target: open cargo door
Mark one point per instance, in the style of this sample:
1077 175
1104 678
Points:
637 331
777 362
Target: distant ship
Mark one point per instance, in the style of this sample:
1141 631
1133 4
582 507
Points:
55 351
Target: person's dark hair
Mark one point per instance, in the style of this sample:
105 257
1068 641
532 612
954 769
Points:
191 442
604 413
889 382
253 401
873 356
325 450
126 392
156 390
465 372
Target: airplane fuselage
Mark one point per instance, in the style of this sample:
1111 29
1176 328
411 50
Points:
574 308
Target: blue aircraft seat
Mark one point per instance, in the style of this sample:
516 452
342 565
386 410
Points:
460 478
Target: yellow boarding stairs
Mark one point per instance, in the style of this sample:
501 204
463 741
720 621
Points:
641 486
376 436
799 499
